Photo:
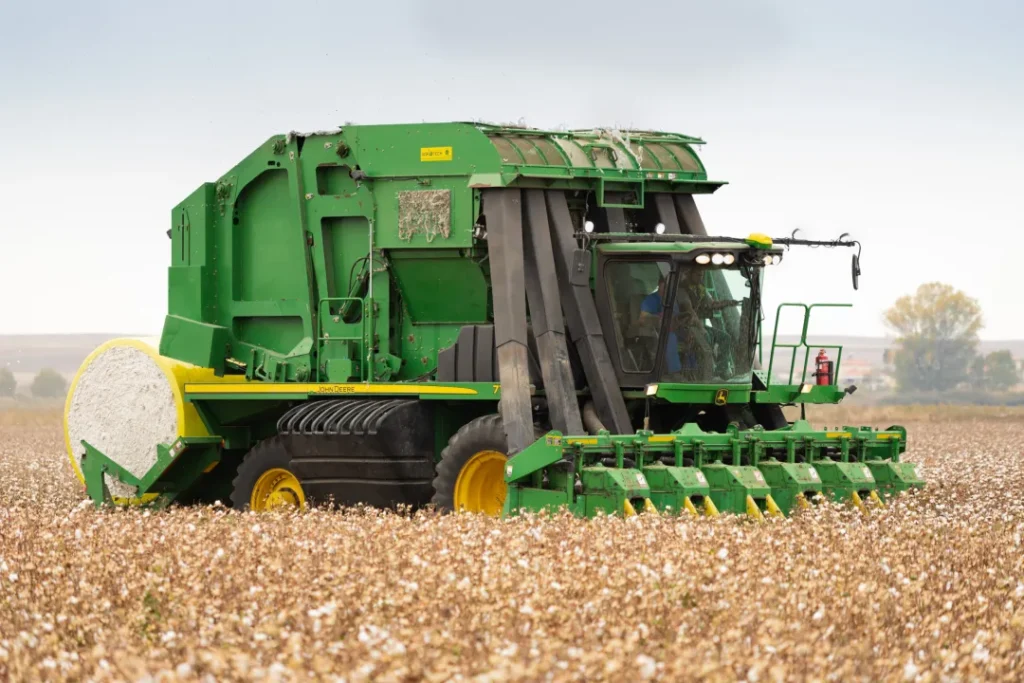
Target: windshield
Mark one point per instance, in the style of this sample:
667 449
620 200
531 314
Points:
710 337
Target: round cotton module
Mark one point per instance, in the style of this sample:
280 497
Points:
124 401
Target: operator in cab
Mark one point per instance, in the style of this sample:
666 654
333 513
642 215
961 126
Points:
692 305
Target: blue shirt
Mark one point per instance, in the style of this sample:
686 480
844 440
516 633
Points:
652 304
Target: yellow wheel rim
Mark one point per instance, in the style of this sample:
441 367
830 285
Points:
277 489
481 484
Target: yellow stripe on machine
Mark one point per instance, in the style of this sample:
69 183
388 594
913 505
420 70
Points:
581 442
204 389
661 438
837 435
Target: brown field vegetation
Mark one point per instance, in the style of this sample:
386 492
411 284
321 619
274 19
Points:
929 589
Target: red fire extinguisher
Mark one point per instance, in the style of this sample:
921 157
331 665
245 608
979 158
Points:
824 368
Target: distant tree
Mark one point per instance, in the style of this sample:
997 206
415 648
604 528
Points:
49 384
976 373
1001 371
938 337
8 385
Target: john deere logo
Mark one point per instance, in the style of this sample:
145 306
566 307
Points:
721 397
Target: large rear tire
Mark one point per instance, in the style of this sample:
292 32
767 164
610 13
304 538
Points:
265 481
471 474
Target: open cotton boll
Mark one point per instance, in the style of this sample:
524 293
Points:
123 405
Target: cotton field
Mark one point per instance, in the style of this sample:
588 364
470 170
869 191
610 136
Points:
929 589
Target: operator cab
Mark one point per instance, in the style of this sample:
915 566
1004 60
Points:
678 312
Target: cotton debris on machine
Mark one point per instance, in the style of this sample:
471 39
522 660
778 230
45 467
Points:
483 318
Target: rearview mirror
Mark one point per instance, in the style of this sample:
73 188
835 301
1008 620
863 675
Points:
855 268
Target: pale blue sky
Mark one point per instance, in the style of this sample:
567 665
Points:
899 122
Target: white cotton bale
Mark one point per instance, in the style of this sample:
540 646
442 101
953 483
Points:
123 403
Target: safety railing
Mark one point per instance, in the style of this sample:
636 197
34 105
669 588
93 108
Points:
802 343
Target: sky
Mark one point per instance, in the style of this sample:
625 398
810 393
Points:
901 123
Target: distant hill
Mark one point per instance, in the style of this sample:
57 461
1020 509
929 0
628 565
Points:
27 354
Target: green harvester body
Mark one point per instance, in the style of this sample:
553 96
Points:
363 294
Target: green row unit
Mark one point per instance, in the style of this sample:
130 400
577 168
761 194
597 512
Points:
755 472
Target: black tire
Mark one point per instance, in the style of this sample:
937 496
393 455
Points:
486 433
266 455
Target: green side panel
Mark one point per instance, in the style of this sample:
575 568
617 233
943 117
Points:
894 477
841 479
277 333
198 343
706 394
788 480
606 489
441 286
420 344
191 287
534 501
344 239
267 250
418 214
793 393
671 486
731 484
185 290
418 150
334 180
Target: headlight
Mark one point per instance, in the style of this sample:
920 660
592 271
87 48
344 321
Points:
776 260
660 228
703 259
588 226
768 260
730 259
652 390
717 259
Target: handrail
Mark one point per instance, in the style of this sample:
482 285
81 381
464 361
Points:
802 343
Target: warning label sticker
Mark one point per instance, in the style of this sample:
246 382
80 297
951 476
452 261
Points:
435 153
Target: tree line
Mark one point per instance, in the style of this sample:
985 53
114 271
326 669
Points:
937 344
47 384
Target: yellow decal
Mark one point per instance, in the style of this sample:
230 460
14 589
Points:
581 442
661 438
411 388
435 153
497 388
837 435
721 397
